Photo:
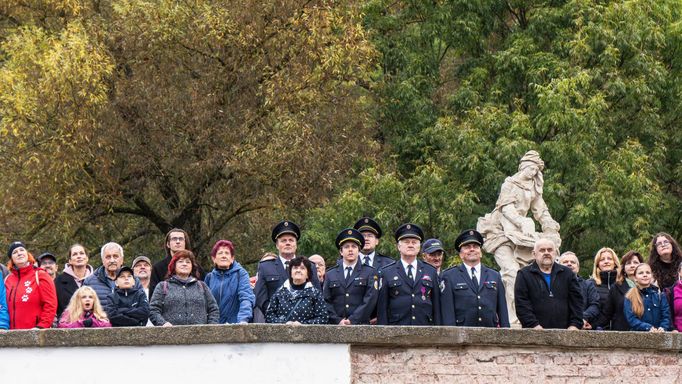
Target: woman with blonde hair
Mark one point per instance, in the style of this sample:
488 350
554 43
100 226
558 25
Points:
645 307
612 316
605 272
84 311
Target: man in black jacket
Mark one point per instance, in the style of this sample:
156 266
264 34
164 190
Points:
547 294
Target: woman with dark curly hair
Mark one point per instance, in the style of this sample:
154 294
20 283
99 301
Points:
664 258
297 301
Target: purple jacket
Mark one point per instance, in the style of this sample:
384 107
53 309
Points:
96 323
676 306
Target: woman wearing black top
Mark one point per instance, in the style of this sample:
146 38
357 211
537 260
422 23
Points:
612 315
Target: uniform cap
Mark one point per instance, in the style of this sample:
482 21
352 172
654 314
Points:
285 227
350 234
468 236
409 230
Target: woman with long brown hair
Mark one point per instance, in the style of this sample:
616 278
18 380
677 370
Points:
664 258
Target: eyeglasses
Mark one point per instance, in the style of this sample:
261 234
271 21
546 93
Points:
47 262
177 239
662 243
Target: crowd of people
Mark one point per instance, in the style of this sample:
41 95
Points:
361 287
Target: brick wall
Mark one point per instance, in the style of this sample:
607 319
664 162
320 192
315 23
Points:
483 364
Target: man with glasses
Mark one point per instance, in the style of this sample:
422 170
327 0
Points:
176 240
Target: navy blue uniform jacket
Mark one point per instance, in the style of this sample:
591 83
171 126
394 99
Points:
353 300
464 304
406 302
271 276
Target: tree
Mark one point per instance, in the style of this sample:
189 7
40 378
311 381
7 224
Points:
468 86
122 120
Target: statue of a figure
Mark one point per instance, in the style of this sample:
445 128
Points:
509 232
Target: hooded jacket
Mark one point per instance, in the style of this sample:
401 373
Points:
103 285
128 307
656 311
232 291
31 298
183 303
67 284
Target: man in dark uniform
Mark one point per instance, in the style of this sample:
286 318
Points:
409 293
472 294
272 273
176 240
371 231
350 288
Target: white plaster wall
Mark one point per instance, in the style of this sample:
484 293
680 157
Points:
206 364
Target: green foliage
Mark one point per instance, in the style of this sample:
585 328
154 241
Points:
468 86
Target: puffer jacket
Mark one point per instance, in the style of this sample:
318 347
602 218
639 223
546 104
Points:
656 311
183 302
232 291
307 306
608 280
31 298
103 285
128 307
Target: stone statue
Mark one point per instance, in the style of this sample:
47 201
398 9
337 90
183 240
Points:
509 232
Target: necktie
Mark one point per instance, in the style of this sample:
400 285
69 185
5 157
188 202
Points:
286 264
409 272
473 277
349 271
366 260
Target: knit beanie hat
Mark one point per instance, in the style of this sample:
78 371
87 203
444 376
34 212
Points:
13 246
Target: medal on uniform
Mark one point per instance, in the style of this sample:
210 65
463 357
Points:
423 294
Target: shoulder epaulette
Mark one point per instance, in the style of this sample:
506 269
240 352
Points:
388 265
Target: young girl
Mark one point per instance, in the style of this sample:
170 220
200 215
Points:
84 310
646 309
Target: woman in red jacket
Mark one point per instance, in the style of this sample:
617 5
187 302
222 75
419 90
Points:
31 297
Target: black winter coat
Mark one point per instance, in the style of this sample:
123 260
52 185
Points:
66 286
559 306
612 316
128 308
608 280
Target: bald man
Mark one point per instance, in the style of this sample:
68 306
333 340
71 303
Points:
547 294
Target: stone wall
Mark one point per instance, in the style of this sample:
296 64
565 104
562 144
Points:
288 354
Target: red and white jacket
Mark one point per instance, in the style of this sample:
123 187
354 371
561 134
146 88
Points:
31 298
